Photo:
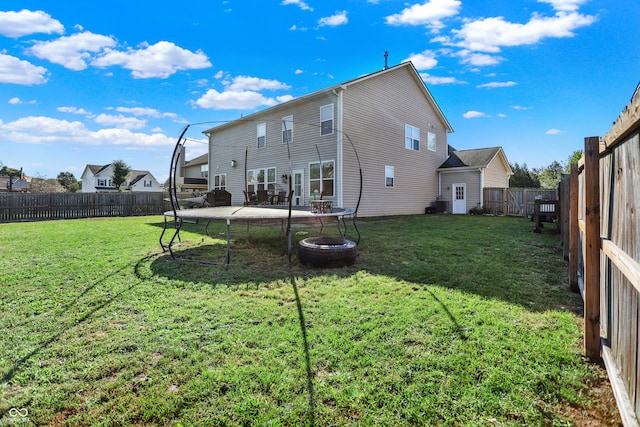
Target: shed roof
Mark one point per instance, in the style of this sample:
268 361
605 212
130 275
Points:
479 157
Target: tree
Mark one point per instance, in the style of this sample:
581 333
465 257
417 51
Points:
523 178
120 172
551 175
573 158
68 181
7 171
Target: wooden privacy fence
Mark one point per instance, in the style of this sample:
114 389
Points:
604 253
48 206
515 201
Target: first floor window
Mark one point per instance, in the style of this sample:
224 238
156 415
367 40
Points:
261 179
388 176
261 131
411 138
326 120
220 181
322 178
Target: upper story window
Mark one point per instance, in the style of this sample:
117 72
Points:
389 175
261 131
411 138
326 120
204 171
431 141
148 184
287 129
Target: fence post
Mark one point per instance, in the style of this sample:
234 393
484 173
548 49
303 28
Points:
573 229
592 245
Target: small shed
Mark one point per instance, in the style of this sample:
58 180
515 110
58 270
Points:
464 175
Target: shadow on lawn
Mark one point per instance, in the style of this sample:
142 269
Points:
74 322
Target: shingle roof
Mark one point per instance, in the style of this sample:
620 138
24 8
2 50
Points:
480 157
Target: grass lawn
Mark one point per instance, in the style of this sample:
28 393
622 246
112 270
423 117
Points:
443 320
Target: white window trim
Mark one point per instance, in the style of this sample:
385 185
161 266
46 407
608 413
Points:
392 176
261 127
322 179
413 129
333 119
219 186
287 125
431 137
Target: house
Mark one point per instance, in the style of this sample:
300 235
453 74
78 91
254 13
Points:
192 175
97 178
464 175
14 184
384 128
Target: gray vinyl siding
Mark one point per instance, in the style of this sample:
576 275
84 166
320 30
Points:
470 178
375 113
232 141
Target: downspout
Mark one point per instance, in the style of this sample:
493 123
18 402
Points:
339 146
481 187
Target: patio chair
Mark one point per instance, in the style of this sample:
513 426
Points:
263 197
282 197
218 198
250 198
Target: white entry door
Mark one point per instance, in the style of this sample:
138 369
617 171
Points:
298 187
459 198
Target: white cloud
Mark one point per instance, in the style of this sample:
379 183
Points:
15 101
520 107
478 59
430 14
234 100
493 85
43 130
17 71
160 60
298 71
17 24
241 83
491 34
120 121
564 5
74 51
473 114
425 60
501 115
73 110
149 112
434 80
340 18
302 5
554 132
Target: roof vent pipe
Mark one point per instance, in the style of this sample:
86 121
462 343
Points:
386 56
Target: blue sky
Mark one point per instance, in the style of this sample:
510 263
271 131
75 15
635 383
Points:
93 82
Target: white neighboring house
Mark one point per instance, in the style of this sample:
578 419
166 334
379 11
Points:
96 178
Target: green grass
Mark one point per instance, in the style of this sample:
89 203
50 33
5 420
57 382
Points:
443 320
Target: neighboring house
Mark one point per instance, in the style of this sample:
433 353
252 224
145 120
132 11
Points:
97 178
394 123
467 172
13 184
192 175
